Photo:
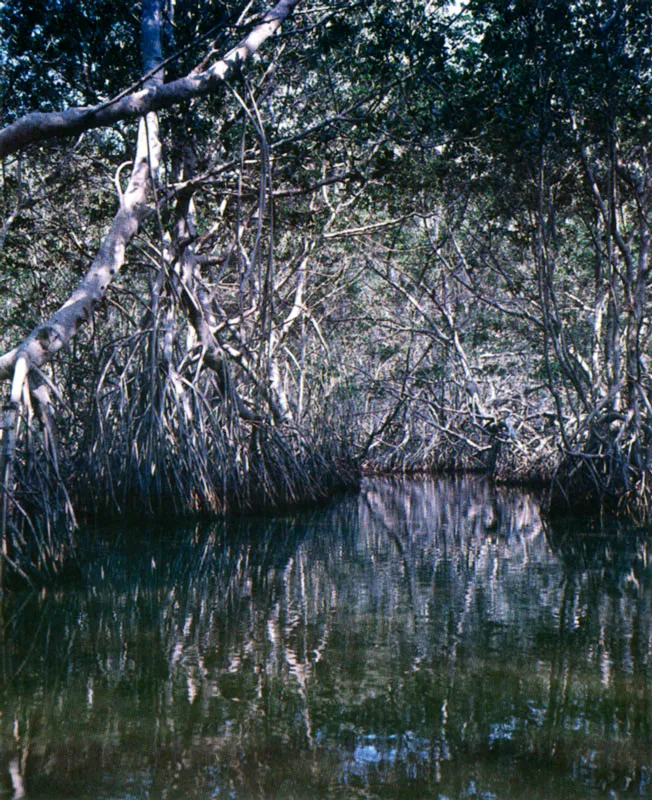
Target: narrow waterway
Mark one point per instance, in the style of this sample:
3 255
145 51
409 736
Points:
424 639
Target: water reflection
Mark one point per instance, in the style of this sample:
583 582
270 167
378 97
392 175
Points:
424 639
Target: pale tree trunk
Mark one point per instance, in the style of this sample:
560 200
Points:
197 305
50 337
10 422
277 337
30 387
606 459
144 97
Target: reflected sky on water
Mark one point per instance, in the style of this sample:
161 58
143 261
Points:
425 639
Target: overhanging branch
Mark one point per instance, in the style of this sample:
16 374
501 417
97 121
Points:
39 126
49 337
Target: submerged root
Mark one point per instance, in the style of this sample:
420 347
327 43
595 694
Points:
158 436
41 524
172 442
612 472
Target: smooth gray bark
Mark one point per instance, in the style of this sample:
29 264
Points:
39 126
49 337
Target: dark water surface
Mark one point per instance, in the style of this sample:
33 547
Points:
426 639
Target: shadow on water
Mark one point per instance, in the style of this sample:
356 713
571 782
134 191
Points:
421 639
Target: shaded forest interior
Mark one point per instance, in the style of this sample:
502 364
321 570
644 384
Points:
251 252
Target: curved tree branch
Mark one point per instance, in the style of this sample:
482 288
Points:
56 333
39 126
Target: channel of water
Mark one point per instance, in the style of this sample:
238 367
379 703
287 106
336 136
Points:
423 639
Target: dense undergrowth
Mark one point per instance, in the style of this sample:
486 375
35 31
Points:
401 238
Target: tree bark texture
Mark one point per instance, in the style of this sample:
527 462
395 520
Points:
49 337
39 126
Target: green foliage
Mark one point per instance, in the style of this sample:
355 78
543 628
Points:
455 203
58 53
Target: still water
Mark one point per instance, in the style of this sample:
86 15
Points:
425 639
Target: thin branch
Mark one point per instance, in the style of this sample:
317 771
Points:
39 126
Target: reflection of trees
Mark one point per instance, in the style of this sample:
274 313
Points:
422 635
607 606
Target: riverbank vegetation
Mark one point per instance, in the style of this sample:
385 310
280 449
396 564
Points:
251 251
